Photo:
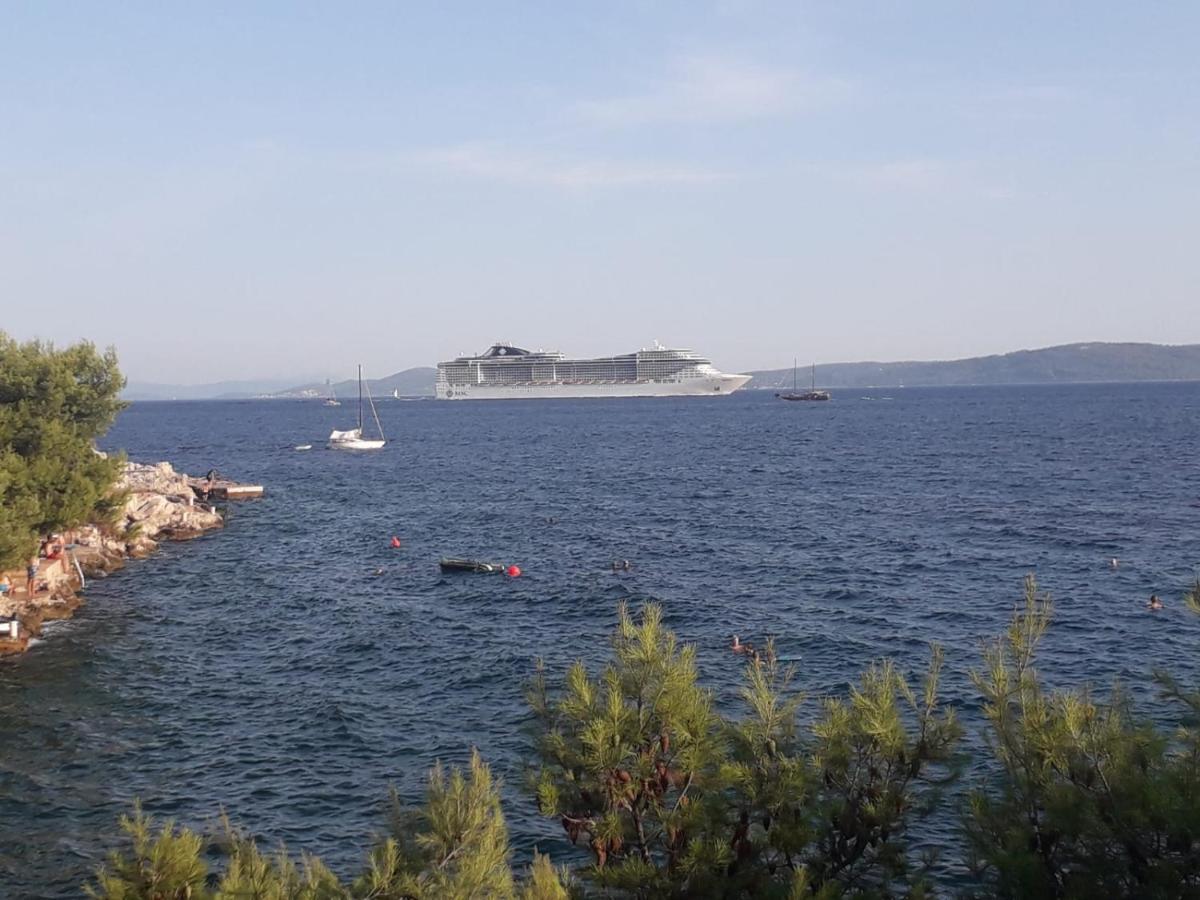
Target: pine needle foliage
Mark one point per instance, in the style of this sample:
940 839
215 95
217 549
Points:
546 882
455 847
251 874
880 755
675 801
1090 802
161 865
627 756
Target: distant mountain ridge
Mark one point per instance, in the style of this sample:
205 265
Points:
415 382
220 390
1064 364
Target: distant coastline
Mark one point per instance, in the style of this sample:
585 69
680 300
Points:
1080 363
1083 363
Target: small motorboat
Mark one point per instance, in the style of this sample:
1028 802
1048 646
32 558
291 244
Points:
468 565
302 447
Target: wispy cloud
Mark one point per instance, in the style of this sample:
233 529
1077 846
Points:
495 163
719 89
1034 94
912 176
1019 103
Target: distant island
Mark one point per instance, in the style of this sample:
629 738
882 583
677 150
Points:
1095 362
417 382
1065 364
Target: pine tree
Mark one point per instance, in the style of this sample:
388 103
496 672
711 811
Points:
1090 802
674 800
545 882
874 751
627 759
455 848
252 875
826 813
161 866
53 404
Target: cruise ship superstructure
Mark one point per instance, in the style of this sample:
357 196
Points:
508 372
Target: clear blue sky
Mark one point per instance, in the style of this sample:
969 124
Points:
234 190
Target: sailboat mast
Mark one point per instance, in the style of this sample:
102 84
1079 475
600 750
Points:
814 376
360 398
794 364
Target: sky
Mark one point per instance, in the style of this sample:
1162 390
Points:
251 190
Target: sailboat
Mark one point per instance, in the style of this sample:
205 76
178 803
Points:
353 439
332 399
812 394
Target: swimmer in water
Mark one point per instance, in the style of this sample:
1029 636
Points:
738 647
1155 603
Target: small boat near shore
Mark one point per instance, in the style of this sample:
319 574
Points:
450 564
332 399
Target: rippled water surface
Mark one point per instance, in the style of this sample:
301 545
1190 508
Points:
269 669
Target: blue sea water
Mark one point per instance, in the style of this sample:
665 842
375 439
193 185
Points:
271 669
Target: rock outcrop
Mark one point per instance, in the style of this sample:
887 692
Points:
159 505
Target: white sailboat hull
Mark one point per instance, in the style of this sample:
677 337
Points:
356 444
352 440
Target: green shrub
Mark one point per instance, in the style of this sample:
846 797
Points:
53 405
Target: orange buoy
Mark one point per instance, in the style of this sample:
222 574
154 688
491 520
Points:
395 541
512 571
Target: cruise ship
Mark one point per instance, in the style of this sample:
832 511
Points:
506 372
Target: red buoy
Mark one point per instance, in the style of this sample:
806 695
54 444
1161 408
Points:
512 571
395 541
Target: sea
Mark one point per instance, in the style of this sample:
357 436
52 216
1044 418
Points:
294 667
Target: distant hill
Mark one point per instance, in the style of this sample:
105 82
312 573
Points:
416 382
221 390
410 383
1069 363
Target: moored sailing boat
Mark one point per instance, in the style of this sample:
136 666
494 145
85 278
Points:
812 394
353 439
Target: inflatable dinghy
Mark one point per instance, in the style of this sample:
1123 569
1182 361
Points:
468 565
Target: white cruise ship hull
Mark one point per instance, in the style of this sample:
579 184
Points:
709 386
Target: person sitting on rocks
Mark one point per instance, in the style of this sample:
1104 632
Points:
5 584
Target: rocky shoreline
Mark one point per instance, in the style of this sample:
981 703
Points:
160 504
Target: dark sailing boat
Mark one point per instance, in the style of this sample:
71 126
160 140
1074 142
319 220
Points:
812 394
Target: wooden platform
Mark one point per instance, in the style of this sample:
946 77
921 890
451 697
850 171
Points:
226 490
